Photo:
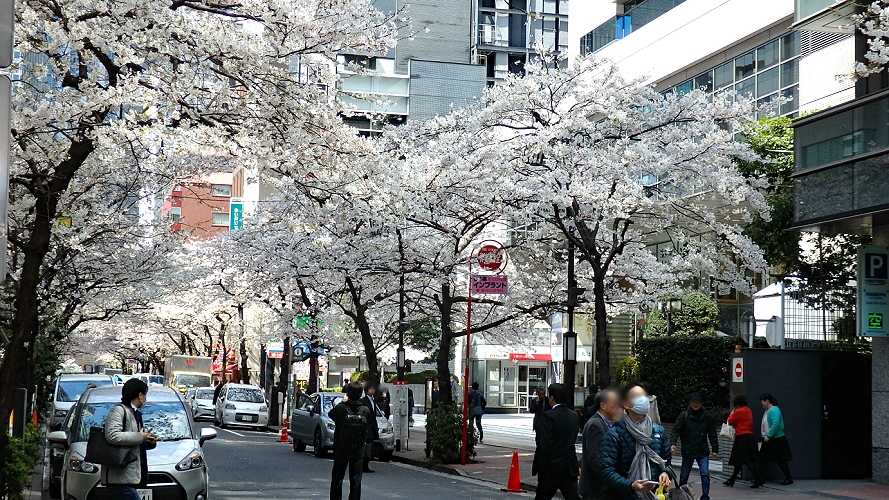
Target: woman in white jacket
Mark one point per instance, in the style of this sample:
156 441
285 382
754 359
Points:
123 427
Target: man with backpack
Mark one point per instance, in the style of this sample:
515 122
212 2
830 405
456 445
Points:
477 405
352 419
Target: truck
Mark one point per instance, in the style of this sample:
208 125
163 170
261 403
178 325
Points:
184 372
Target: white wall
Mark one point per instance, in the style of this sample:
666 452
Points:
686 34
583 17
824 77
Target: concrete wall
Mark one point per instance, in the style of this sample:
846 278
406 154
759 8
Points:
439 31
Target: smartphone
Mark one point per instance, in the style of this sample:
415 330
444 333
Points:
652 484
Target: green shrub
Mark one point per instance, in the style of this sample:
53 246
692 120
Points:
655 325
627 370
444 428
674 367
17 463
699 315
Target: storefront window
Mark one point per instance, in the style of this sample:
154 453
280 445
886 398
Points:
509 373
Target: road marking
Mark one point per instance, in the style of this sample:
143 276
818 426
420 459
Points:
226 430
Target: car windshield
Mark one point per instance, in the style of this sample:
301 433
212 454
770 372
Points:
70 390
245 395
192 380
156 379
329 402
203 394
168 421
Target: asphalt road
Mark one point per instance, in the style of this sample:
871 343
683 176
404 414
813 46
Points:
246 464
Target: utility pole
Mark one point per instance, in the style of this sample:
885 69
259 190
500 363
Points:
400 361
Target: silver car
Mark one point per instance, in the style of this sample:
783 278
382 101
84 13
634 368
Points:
309 424
176 467
69 387
241 404
202 403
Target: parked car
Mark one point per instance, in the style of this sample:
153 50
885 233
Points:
150 379
241 404
176 467
57 458
120 378
202 402
309 424
69 387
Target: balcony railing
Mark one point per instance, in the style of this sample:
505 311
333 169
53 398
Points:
488 35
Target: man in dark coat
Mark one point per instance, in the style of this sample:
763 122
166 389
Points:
606 411
352 419
555 459
693 429
373 431
538 406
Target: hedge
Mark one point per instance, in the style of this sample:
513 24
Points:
674 367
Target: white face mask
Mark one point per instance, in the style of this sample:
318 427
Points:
641 405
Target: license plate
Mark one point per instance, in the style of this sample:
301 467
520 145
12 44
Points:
246 418
144 494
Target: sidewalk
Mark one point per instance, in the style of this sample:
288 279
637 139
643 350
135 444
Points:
493 460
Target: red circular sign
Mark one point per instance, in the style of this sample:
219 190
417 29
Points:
491 257
739 370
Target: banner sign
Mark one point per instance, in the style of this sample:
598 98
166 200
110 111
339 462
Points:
481 284
873 292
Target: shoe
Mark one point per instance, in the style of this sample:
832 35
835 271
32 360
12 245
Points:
730 483
787 482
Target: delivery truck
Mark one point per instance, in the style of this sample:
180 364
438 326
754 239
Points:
185 372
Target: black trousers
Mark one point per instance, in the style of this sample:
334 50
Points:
548 484
354 464
478 425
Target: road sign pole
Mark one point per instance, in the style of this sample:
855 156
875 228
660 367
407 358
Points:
464 440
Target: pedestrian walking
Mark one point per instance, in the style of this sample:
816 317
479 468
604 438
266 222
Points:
744 447
774 448
693 429
124 428
555 459
477 405
635 453
352 420
606 412
373 431
538 406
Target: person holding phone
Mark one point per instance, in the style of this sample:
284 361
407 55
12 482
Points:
124 428
635 453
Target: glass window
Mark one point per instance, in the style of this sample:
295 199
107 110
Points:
176 214
767 82
245 395
221 190
746 88
220 218
704 82
792 100
767 55
70 390
722 75
767 106
169 421
744 66
685 87
790 73
790 45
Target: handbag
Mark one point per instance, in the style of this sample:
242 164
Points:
727 431
100 451
678 492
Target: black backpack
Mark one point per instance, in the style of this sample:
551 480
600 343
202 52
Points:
354 426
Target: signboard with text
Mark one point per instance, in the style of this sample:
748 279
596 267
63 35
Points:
236 215
873 292
275 350
481 284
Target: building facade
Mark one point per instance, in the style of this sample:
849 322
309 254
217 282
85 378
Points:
200 207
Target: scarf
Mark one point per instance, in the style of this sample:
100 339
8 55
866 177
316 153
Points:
640 468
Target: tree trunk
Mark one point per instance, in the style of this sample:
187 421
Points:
359 316
444 346
312 386
245 368
603 344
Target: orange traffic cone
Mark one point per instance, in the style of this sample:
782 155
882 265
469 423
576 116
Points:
514 481
282 436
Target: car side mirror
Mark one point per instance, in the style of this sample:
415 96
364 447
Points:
206 435
58 437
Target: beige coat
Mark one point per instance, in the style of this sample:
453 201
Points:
131 473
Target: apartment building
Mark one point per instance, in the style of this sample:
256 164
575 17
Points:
201 207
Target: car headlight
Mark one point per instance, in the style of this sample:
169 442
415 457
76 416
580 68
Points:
229 406
263 408
194 460
77 464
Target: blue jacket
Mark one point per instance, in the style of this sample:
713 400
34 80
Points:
616 454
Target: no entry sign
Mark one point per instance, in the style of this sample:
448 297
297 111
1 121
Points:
738 370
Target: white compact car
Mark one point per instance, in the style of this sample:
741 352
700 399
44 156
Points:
241 404
176 467
202 403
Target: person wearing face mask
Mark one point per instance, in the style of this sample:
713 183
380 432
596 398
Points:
123 427
635 453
